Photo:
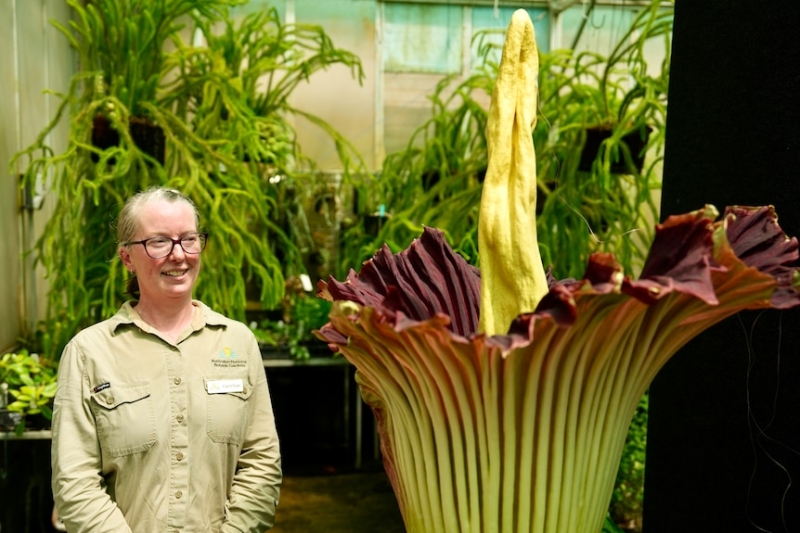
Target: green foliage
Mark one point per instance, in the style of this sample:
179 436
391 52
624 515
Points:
241 81
609 526
121 43
302 313
435 181
252 69
31 385
237 164
600 209
627 500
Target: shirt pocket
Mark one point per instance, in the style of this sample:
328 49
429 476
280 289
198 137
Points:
227 411
125 418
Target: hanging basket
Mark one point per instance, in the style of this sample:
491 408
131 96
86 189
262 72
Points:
148 137
636 141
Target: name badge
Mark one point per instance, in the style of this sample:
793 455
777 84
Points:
221 386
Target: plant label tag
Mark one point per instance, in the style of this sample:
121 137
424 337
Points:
221 386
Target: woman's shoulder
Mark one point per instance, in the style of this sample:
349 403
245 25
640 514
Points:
215 318
99 334
107 327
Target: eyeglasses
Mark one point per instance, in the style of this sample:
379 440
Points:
160 247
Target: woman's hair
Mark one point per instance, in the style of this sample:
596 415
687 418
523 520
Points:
128 222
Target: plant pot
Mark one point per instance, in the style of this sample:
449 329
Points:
373 224
148 137
37 422
636 142
275 352
9 420
315 349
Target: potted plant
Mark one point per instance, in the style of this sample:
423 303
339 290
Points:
631 101
269 59
288 332
27 387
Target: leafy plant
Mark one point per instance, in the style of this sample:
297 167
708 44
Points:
435 181
627 501
602 208
302 313
249 70
91 182
31 384
267 60
120 44
214 152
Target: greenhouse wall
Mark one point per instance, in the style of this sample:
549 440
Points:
34 56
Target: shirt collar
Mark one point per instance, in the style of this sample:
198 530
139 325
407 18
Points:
127 315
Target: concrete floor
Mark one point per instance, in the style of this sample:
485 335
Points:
349 502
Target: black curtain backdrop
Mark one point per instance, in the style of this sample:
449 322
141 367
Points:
723 449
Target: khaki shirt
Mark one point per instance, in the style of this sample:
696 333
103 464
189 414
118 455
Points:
151 436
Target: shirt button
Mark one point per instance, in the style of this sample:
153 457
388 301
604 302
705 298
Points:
179 456
177 381
178 494
110 400
179 418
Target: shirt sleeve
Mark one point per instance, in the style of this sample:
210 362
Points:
77 483
256 484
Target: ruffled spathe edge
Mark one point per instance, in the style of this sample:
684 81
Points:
692 254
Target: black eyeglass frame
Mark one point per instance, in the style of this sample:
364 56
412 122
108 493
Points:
174 242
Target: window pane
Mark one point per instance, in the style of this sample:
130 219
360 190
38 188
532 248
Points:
422 38
603 30
483 18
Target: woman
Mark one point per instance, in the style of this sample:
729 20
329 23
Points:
163 420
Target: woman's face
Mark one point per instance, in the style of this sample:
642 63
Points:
170 278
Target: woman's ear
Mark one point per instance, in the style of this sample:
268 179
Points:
125 256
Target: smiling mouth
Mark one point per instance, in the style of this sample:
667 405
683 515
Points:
174 273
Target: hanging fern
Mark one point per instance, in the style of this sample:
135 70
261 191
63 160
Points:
135 68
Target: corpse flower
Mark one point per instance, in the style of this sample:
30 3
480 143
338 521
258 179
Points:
502 396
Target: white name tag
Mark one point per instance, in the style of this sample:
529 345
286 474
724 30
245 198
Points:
221 386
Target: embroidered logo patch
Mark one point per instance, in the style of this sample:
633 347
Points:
227 353
227 358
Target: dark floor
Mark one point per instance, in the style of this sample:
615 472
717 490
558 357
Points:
338 502
324 490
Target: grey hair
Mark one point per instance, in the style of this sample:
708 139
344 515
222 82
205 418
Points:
128 221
